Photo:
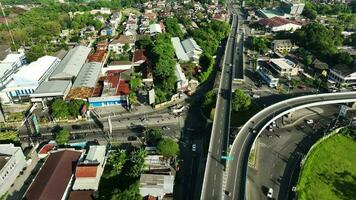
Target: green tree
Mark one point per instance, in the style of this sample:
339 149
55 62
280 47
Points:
59 109
144 42
62 137
168 147
209 99
116 160
131 193
35 52
74 107
173 28
153 136
135 83
133 98
260 44
126 47
136 163
240 101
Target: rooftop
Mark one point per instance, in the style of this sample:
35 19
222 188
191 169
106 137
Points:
277 21
283 63
81 195
123 39
190 45
179 50
156 184
52 88
98 56
52 180
71 64
139 55
88 75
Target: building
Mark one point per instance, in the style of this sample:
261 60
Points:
54 179
284 67
320 66
267 77
9 66
292 7
139 57
182 82
342 76
12 162
270 13
118 45
28 78
281 46
108 31
117 65
63 76
155 29
89 171
277 24
84 84
187 50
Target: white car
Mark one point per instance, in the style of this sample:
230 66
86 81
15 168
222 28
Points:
194 147
270 128
310 121
274 124
270 193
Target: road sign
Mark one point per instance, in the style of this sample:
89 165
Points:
227 157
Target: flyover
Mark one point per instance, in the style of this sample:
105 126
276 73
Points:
237 168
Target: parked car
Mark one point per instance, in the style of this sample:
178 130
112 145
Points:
270 193
194 147
310 121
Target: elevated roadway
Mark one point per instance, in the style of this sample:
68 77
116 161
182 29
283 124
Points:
237 168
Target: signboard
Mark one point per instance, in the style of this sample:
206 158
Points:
227 157
151 96
110 125
35 124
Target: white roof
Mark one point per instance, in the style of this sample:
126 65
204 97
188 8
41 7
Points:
180 75
13 57
96 153
282 63
155 28
36 69
190 45
180 53
156 184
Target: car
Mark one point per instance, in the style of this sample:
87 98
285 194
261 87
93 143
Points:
270 128
310 121
194 147
270 193
255 96
274 124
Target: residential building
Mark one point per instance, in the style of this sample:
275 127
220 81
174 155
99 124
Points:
284 67
267 77
179 50
115 19
131 26
281 46
28 78
89 171
46 149
182 82
342 76
103 11
292 7
108 31
139 57
117 45
192 49
277 24
270 13
55 177
155 29
117 66
9 66
12 162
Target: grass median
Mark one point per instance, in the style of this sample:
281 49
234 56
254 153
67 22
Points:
330 170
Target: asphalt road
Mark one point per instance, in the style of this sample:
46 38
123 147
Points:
237 168
279 153
213 177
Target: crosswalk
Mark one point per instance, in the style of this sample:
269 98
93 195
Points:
224 181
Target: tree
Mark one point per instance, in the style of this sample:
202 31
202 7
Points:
74 107
240 101
168 147
133 98
62 137
116 160
209 99
309 11
153 136
134 166
173 28
206 61
135 83
144 42
59 109
131 193
126 47
259 44
35 52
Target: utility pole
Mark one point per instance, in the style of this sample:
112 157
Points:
7 26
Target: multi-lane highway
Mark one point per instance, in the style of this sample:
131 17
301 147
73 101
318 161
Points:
213 177
237 168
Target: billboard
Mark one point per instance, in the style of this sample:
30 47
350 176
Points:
35 124
151 96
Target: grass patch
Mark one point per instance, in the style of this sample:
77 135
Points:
330 170
241 117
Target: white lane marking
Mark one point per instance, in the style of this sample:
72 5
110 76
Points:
213 192
214 177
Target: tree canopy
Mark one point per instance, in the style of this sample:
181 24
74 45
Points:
173 28
153 136
260 44
168 147
240 101
62 137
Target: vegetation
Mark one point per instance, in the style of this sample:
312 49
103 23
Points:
62 136
120 179
330 169
8 136
153 136
259 44
240 101
168 147
207 63
173 28
61 109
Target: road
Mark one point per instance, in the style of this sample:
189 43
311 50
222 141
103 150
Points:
237 168
213 177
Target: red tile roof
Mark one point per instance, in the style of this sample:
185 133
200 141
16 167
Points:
52 180
276 21
84 171
149 197
98 56
123 88
116 81
81 195
46 148
139 55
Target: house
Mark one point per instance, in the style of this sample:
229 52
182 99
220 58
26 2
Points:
139 57
89 171
115 19
277 24
12 162
284 67
179 50
81 195
103 11
28 78
342 76
267 77
9 66
55 177
150 15
46 149
192 49
292 7
155 29
131 25
117 45
281 46
182 82
107 31
117 66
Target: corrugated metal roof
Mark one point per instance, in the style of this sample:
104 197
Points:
71 64
190 45
180 53
52 87
88 75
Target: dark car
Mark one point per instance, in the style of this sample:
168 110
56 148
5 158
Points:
132 138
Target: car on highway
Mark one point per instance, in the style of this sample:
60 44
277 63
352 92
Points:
270 128
270 193
274 124
194 147
310 121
